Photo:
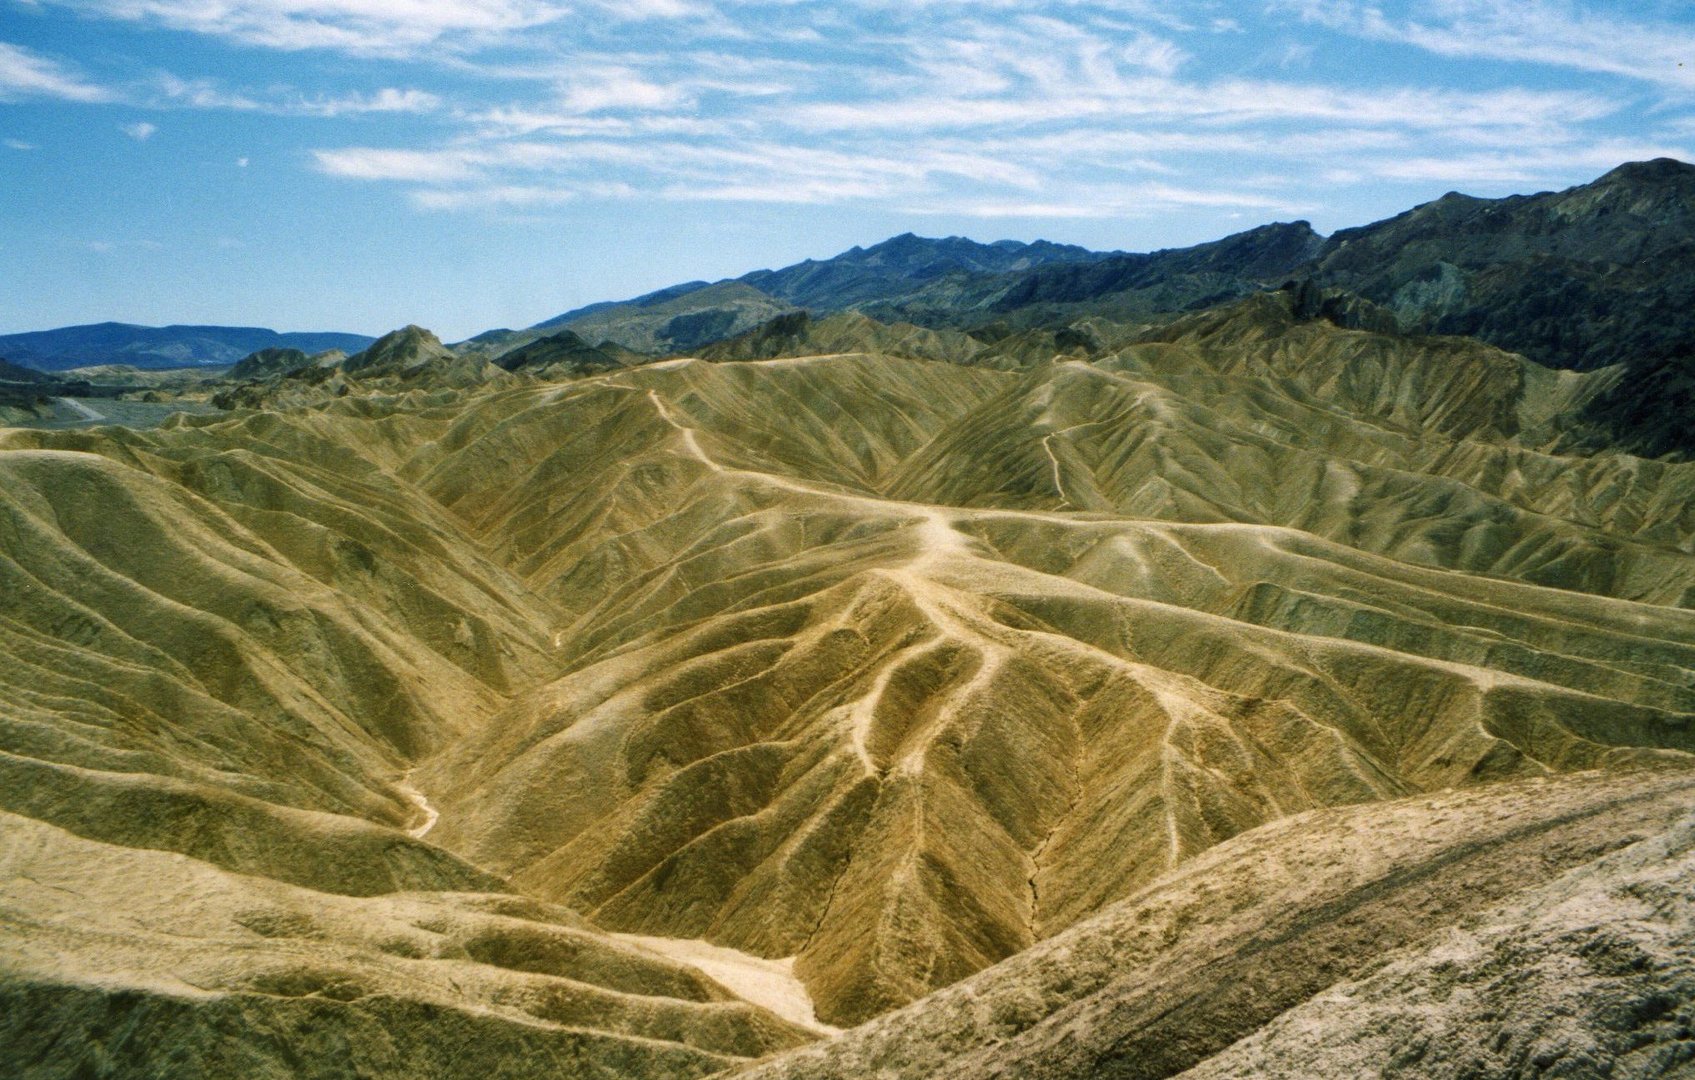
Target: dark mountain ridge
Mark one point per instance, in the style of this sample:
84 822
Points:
896 266
1598 274
1116 285
1592 276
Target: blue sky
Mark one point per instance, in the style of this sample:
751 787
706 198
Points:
465 164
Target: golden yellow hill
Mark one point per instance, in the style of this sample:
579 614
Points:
897 667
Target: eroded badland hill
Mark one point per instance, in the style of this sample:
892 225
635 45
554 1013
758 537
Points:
1265 689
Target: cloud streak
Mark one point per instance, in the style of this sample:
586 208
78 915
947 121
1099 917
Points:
1525 31
1056 109
1066 112
25 75
360 27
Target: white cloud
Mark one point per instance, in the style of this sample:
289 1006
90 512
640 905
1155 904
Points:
620 88
637 10
241 163
140 131
386 100
988 108
1158 55
200 94
24 74
18 144
421 166
369 27
516 120
171 90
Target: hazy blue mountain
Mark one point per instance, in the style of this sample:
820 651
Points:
950 281
160 346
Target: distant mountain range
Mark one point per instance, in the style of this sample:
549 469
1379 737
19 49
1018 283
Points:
160 346
1595 275
698 313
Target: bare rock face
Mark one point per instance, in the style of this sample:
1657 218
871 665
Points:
1590 975
1594 276
1085 712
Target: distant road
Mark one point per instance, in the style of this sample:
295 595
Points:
83 410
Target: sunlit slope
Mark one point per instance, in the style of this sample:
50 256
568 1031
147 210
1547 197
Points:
118 961
1515 929
1435 451
246 607
894 666
226 644
904 739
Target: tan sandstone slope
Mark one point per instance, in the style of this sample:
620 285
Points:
894 667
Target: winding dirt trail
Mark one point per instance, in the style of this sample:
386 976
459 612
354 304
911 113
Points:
422 802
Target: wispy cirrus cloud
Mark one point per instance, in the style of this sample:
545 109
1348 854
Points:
170 91
363 27
1032 115
614 87
1527 31
993 108
410 166
388 99
25 74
